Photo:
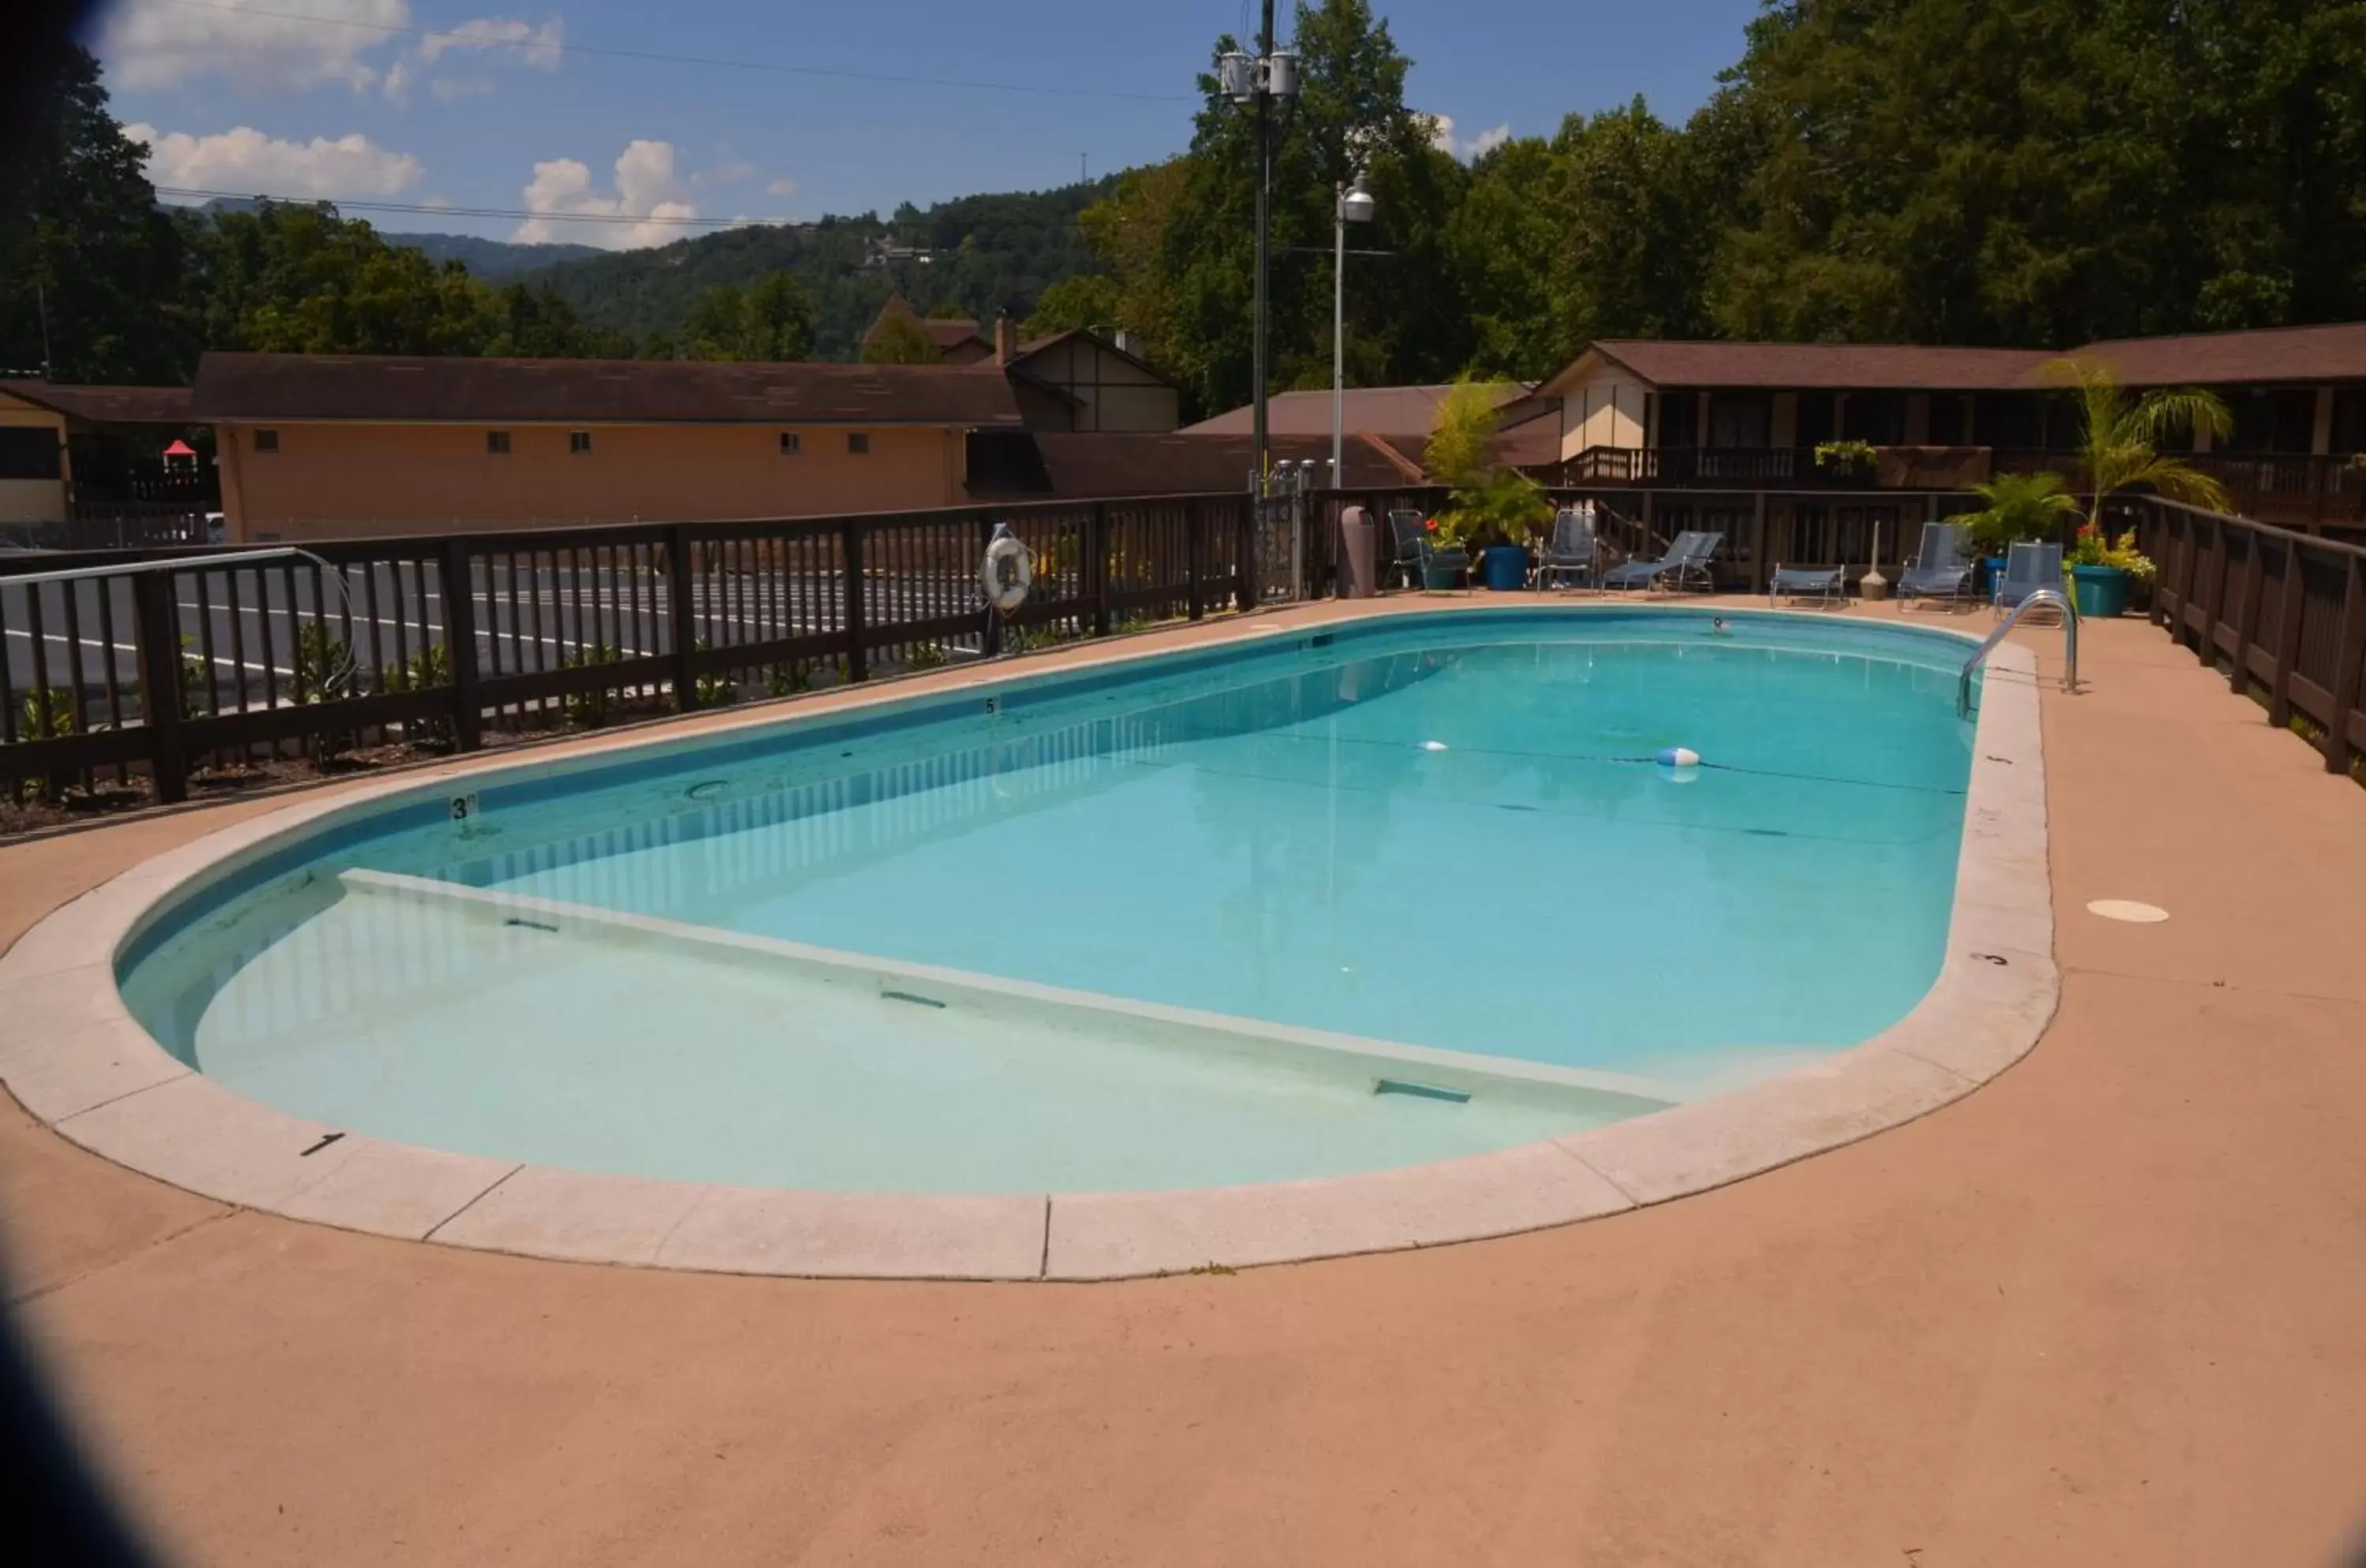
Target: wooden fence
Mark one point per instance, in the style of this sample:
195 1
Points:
446 638
2282 613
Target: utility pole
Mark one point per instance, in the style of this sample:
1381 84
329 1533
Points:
41 305
1258 84
1264 239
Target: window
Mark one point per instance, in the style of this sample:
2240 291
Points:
858 442
496 443
29 452
266 441
2349 419
1740 418
2272 421
791 444
579 441
1878 417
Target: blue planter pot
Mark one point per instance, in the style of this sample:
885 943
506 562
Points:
1995 565
1507 567
2100 589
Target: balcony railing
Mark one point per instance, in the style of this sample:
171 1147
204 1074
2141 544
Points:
2288 491
1777 468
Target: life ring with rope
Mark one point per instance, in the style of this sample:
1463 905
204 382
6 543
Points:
1008 571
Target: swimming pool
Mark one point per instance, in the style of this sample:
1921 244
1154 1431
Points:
1412 888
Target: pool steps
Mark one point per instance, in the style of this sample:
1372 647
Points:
1376 1065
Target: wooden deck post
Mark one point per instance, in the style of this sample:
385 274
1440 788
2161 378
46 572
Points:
2337 749
457 581
158 629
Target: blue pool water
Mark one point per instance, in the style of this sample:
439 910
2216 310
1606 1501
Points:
1448 832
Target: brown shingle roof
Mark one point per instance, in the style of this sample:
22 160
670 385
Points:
611 391
2335 352
951 331
1835 365
108 405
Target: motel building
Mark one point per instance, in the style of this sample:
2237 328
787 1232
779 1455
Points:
1725 436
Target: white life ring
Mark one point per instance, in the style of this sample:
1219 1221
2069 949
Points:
1008 571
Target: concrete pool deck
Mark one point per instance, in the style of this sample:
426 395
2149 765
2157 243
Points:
2101 1309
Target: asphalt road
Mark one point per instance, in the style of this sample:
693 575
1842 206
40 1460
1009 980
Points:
247 622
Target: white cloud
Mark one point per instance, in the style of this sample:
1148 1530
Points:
501 37
647 187
245 161
1442 138
781 187
154 43
314 43
1486 141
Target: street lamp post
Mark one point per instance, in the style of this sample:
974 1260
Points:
1355 204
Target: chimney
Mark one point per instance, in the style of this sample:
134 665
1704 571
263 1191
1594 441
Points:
1005 338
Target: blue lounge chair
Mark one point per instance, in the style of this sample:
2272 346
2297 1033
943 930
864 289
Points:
1939 570
1686 564
2027 568
1824 584
1413 555
1574 551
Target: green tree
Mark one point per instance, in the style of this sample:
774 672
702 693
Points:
2120 436
533 322
1179 241
1090 299
772 320
900 340
83 246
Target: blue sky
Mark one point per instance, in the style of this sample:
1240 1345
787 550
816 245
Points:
291 97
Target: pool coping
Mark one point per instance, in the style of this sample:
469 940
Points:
79 1062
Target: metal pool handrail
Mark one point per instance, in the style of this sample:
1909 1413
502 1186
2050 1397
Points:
2069 644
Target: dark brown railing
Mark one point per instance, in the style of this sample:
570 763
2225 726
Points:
442 639
2282 613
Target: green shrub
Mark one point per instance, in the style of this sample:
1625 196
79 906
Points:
594 708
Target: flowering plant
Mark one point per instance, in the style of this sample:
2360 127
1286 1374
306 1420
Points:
2095 547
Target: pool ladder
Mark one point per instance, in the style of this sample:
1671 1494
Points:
2050 596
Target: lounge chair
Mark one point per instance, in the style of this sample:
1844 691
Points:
1575 549
1413 555
1939 570
1824 584
2027 568
1686 564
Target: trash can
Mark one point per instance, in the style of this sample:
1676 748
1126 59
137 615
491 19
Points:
1359 550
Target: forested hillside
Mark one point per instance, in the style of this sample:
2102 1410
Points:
989 253
2028 171
495 261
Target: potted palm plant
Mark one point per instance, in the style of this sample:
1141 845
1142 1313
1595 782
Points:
2020 508
1492 508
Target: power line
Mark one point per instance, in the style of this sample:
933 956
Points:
471 211
1033 89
